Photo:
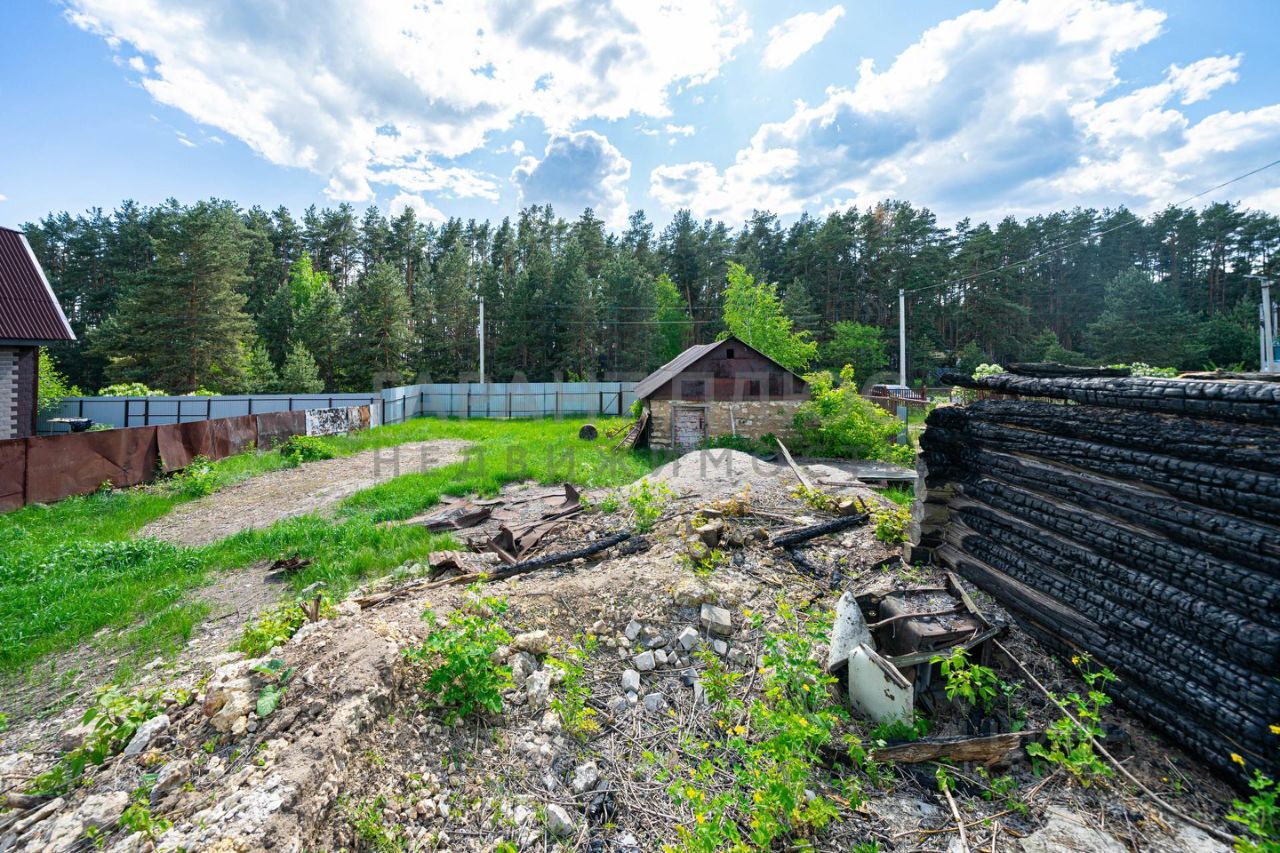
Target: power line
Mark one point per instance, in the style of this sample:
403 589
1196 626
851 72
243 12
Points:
1088 237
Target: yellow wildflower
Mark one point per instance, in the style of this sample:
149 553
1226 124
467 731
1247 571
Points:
1075 660
1275 730
1235 756
740 730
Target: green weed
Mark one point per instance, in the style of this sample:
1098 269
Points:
298 449
891 523
1069 747
276 626
458 655
1259 815
648 498
815 498
116 717
969 681
570 703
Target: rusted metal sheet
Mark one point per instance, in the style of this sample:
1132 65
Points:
13 473
275 427
59 466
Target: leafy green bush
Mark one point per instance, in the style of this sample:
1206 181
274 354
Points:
974 683
306 448
52 385
129 389
1139 368
647 499
197 479
276 626
774 762
458 655
984 370
837 421
116 717
637 409
891 523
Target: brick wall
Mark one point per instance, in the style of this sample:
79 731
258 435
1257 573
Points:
8 392
750 418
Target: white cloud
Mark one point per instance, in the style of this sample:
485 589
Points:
425 212
137 63
182 137
3 197
577 171
372 92
1014 109
797 35
679 130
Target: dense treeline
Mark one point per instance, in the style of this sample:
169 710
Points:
210 295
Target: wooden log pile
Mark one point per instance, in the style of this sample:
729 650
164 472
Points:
1139 523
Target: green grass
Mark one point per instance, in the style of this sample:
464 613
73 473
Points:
64 574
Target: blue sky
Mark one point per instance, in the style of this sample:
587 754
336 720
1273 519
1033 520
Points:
476 108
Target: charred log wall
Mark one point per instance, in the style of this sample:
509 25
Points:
1139 523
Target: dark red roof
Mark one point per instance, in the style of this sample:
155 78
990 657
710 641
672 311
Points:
29 312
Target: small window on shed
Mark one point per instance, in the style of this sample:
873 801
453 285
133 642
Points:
753 387
728 353
693 389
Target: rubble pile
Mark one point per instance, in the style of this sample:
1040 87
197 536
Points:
618 646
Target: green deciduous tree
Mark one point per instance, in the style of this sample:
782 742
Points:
754 314
858 344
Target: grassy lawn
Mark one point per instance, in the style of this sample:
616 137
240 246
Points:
70 569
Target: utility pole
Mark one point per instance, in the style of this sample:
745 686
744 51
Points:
902 336
481 340
1267 328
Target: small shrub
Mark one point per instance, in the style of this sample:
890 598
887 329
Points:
458 654
571 701
714 559
305 448
1069 747
972 682
648 498
1259 815
273 691
982 371
116 717
815 498
637 409
278 625
897 731
197 479
1139 368
891 524
371 829
837 421
138 818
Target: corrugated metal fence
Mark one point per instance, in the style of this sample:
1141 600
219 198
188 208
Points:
391 405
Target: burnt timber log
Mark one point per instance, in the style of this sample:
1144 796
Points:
1139 522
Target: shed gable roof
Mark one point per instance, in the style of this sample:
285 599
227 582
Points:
29 312
687 359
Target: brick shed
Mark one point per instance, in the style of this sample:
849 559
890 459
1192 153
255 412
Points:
721 388
30 318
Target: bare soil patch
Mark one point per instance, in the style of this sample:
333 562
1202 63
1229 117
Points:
316 487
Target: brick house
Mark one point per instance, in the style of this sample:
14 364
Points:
30 317
721 388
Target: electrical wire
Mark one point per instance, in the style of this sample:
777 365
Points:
1081 241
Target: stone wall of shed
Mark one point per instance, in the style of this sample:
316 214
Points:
9 386
751 418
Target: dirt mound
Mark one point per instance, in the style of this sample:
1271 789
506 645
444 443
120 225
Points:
313 487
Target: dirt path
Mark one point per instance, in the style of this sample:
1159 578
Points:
314 487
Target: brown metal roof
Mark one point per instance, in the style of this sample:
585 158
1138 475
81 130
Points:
29 312
686 359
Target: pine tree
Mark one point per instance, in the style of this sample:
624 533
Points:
672 319
300 375
180 325
379 343
260 373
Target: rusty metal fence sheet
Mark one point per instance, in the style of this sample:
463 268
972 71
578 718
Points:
13 474
49 468
59 466
275 427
